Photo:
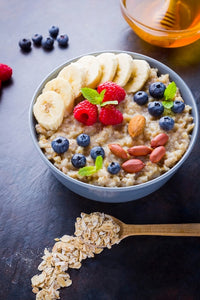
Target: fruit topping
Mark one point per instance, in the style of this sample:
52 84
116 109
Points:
53 31
155 108
47 43
97 151
141 98
78 160
166 123
113 91
157 154
37 39
86 112
83 140
25 44
178 106
113 168
157 89
136 125
5 72
63 40
60 144
109 115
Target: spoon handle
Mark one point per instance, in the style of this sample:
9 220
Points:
192 229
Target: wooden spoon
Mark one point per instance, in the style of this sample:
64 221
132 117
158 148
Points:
126 230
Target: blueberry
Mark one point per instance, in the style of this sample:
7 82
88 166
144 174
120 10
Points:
166 123
113 168
156 90
83 140
141 98
60 144
97 151
78 160
178 106
47 43
25 44
155 108
63 40
53 31
37 39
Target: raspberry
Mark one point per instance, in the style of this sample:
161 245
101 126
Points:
5 72
109 115
113 91
86 112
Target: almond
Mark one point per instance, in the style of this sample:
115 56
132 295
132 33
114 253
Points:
136 125
117 150
159 140
157 154
139 150
133 165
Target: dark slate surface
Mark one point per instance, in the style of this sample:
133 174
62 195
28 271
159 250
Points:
35 208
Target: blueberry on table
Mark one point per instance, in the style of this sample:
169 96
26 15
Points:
178 106
60 144
83 140
25 44
97 151
37 39
78 160
113 168
141 98
166 123
53 31
155 108
156 90
47 43
63 40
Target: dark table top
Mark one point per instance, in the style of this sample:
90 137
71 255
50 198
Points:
35 208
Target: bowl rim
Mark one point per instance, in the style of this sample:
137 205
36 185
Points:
88 186
183 31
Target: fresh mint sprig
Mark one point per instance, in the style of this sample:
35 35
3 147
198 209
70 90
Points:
169 95
89 170
95 98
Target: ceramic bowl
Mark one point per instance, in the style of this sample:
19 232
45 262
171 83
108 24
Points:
118 194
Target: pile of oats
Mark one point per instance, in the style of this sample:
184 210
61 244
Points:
93 232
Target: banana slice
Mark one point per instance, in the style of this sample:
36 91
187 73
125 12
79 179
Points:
124 69
108 62
62 87
49 110
93 70
75 75
140 74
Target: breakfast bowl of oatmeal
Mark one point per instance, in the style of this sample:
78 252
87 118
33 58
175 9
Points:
113 126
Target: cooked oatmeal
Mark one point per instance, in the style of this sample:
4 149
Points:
100 135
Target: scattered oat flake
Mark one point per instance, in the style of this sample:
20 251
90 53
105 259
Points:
93 232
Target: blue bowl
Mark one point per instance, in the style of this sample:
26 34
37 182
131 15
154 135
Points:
119 194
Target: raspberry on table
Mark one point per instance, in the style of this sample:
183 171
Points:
113 91
5 73
109 115
86 112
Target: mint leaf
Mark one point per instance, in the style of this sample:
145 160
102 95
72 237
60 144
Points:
170 91
99 162
86 171
114 102
167 104
92 95
89 170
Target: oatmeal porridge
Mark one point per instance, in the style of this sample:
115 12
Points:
119 109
